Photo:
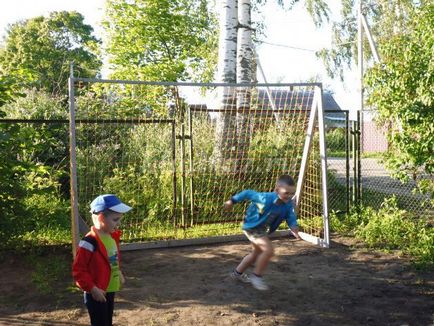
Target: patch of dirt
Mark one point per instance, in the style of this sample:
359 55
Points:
342 285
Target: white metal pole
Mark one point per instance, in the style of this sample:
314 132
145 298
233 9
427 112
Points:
306 151
371 41
360 66
323 154
360 54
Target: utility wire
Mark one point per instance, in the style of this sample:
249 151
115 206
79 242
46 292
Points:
288 46
301 49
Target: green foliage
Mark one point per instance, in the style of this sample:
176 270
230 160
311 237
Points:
34 182
40 50
390 228
311 224
9 89
11 190
401 88
346 224
386 18
161 40
335 140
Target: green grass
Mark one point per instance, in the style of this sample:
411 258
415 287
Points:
337 153
378 155
343 154
155 232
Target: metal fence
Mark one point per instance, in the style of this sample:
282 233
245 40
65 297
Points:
339 140
358 174
377 182
165 164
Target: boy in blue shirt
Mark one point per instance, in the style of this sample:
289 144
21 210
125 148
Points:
263 216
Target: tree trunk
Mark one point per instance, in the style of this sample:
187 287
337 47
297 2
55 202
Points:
226 73
244 75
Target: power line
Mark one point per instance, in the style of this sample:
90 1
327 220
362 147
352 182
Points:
302 49
288 46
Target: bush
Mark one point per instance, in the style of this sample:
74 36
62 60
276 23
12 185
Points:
34 174
390 228
335 140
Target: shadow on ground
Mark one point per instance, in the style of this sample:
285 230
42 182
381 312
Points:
342 285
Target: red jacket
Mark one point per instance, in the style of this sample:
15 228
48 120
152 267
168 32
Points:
91 266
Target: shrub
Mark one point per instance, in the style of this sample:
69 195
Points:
390 228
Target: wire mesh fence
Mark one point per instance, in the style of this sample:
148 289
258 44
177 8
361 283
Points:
377 182
339 163
176 152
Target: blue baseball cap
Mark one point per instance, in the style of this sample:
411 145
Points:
110 202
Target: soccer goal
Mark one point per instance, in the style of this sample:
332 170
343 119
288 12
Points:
177 151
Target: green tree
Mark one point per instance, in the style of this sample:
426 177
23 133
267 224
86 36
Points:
386 18
401 88
9 89
40 50
164 40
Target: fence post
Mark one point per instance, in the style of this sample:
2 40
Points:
359 159
355 164
174 173
73 165
190 122
180 106
347 160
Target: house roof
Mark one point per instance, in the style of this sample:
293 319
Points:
285 97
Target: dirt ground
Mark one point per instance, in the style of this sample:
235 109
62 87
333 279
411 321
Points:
342 285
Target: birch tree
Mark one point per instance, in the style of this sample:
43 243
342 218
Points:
235 45
244 75
226 73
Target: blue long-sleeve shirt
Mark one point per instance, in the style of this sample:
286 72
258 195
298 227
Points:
265 209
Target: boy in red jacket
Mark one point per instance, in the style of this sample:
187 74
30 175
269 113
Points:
96 267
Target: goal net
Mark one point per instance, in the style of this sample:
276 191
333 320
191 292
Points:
177 151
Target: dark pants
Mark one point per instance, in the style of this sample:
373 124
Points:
101 313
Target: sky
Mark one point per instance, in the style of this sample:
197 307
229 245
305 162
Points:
295 61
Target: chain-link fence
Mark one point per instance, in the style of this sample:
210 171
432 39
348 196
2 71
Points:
338 139
377 182
357 170
170 175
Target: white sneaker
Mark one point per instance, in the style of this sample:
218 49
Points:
240 277
258 283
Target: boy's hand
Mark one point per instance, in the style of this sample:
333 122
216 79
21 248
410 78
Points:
98 294
227 206
121 278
